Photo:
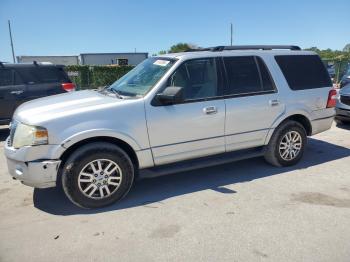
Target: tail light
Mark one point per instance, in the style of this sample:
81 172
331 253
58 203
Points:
68 87
332 98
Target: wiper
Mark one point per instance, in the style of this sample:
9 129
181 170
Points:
114 92
111 90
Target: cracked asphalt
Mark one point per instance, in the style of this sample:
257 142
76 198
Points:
243 211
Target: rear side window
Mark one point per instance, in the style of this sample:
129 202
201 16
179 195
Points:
28 75
267 82
304 71
246 75
33 75
5 77
51 74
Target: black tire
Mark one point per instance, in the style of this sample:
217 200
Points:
272 153
82 157
338 121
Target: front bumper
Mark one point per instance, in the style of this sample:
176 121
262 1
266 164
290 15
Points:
342 114
28 165
39 174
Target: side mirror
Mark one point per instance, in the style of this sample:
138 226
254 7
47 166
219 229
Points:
171 95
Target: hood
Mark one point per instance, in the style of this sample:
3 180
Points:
63 105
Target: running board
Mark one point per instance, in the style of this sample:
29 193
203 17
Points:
200 162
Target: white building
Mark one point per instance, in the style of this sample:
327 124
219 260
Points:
112 58
58 60
88 59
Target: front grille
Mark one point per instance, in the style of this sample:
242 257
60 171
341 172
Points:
345 100
13 127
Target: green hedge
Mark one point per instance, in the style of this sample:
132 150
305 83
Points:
96 76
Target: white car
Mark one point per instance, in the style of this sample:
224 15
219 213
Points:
172 113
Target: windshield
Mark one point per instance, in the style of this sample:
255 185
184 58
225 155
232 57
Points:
143 77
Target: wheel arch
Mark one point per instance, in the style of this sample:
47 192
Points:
298 117
116 141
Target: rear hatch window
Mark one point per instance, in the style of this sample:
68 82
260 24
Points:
304 71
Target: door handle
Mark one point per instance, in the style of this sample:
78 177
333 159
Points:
18 92
210 110
274 102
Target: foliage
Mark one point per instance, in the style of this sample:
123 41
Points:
180 47
339 59
346 48
96 76
329 54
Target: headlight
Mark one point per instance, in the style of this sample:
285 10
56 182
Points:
26 135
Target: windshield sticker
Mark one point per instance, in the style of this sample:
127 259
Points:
161 62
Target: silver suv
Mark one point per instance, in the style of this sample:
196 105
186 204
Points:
172 113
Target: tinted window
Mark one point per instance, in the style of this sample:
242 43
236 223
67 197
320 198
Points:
17 79
50 74
5 77
267 82
28 75
197 77
39 74
304 71
242 74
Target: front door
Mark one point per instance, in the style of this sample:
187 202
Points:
194 128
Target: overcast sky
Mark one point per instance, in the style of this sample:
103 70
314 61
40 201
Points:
65 27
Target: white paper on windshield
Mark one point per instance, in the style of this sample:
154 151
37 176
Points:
161 62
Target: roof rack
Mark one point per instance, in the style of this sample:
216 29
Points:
247 47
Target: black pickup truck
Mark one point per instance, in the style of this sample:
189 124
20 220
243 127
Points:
23 82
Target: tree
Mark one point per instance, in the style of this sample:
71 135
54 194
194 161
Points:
346 48
162 52
180 47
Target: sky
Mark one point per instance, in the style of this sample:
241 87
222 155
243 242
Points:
69 27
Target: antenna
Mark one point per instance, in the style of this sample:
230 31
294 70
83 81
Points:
231 33
13 51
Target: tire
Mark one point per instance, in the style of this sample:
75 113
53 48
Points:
103 167
278 145
338 122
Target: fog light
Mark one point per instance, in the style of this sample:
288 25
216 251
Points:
19 171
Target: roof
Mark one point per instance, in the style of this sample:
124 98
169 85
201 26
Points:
127 53
11 65
47 56
197 54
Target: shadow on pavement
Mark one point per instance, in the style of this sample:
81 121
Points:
154 190
4 133
344 125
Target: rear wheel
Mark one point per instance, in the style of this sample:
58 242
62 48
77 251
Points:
287 144
97 175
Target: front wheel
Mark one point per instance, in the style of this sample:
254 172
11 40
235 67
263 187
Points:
97 175
287 144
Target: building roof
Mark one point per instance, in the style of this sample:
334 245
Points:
119 53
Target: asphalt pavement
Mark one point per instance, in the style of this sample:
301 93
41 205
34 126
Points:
243 211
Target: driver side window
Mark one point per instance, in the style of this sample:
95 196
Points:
197 77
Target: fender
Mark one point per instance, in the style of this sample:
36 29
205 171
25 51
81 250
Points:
93 133
294 110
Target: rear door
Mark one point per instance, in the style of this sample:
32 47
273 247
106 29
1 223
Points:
252 102
6 98
43 81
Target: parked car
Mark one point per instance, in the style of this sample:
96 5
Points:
23 82
346 77
173 113
343 105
